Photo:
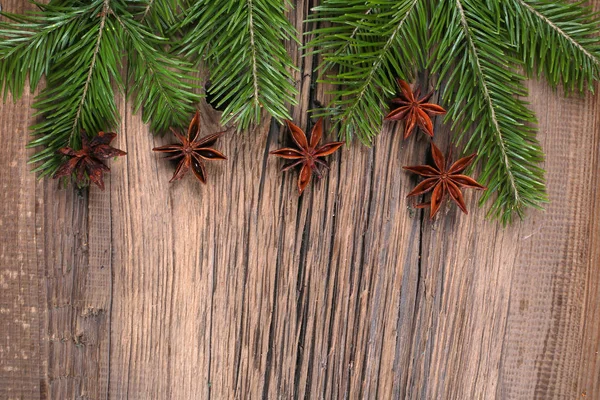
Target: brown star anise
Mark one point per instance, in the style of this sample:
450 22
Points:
307 153
443 180
414 111
192 151
88 160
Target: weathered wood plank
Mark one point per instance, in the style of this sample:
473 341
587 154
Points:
74 241
555 271
67 288
22 293
240 289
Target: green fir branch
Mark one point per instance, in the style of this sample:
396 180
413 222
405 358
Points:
476 47
369 43
162 83
28 42
482 92
556 38
159 15
335 42
79 93
242 44
79 46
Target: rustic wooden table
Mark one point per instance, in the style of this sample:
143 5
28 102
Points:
240 289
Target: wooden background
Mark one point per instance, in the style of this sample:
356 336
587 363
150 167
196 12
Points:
241 289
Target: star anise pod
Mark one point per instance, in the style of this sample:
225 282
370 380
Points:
192 151
443 180
88 160
413 110
307 154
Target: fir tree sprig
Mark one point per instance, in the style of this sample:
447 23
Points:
369 44
482 94
556 38
79 94
162 85
242 45
79 46
476 48
29 41
158 15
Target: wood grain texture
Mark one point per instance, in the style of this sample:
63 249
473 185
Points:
241 289
22 297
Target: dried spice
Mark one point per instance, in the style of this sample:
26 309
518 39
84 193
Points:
413 110
192 151
307 154
87 162
444 180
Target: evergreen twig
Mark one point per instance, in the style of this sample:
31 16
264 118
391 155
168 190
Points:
476 47
79 46
242 44
369 49
482 93
556 38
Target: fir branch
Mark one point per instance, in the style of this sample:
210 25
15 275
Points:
27 43
79 93
481 95
339 45
477 48
556 38
88 80
162 83
248 63
79 46
160 15
370 43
